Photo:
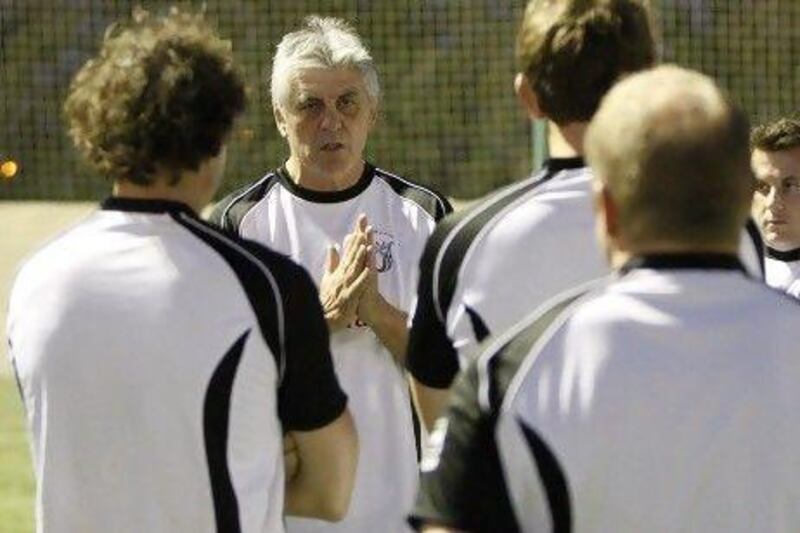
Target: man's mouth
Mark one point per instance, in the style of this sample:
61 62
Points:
331 147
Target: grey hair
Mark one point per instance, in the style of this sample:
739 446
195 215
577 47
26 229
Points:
323 42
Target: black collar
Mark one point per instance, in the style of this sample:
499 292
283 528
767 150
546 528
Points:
326 197
140 205
684 261
789 256
556 164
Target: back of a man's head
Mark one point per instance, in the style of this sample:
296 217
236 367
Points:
572 51
161 94
673 153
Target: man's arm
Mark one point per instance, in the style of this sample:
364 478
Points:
431 402
326 464
462 485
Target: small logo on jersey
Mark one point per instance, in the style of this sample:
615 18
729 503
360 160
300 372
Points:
383 254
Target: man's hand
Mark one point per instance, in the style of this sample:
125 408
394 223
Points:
345 278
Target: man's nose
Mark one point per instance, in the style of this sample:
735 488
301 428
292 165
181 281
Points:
774 199
331 119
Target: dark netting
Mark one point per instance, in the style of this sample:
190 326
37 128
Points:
449 116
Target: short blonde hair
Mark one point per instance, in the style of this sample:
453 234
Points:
673 152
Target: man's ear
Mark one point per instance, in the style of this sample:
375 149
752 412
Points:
280 121
607 211
527 97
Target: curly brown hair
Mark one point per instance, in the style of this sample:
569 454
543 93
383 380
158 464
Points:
782 134
162 93
573 51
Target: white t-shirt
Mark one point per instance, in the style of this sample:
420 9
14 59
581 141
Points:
302 224
662 400
485 268
160 361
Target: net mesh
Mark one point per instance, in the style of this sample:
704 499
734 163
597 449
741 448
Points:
449 118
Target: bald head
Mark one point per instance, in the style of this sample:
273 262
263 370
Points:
672 153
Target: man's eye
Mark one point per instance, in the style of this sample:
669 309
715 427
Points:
762 187
791 186
308 105
347 102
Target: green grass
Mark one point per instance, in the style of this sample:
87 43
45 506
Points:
16 474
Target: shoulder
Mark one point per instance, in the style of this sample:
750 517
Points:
426 198
507 355
239 252
229 212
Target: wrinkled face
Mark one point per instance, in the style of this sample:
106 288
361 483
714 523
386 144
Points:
327 120
776 202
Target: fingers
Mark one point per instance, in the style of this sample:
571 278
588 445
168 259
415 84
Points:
332 259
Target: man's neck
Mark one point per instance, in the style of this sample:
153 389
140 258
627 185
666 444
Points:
318 181
566 140
160 191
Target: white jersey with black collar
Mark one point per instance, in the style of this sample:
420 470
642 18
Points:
302 224
160 361
660 400
783 270
485 268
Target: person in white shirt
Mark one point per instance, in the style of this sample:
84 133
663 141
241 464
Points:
359 230
776 201
163 363
661 398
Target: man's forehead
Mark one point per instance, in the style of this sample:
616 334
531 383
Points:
327 83
769 165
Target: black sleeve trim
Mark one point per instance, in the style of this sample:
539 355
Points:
431 201
229 212
309 396
216 418
431 357
553 478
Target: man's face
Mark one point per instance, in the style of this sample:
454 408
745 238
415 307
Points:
776 202
327 120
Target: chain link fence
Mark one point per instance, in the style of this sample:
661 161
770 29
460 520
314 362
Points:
449 118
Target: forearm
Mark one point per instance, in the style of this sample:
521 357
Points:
389 325
431 402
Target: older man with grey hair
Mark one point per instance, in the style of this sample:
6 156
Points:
360 231
663 398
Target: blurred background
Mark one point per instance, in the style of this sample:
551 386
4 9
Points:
449 116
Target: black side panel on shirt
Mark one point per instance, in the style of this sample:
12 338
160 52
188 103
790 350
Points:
478 325
309 395
229 212
467 490
429 200
554 479
216 416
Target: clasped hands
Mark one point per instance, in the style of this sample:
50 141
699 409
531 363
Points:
349 287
